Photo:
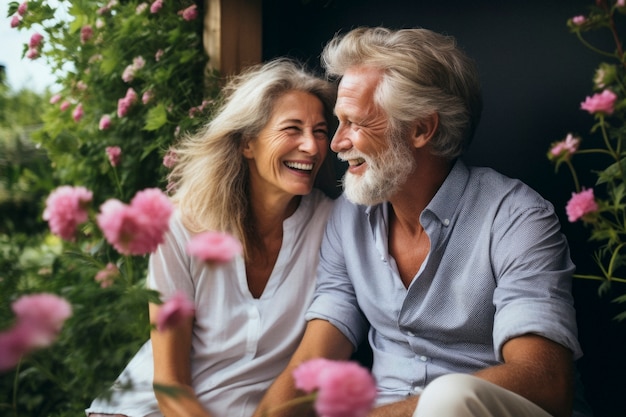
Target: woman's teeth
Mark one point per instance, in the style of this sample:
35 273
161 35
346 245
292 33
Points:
299 166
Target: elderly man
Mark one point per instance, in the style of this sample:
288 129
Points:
459 277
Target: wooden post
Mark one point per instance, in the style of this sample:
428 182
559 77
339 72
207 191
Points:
232 34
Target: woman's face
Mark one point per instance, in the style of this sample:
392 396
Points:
287 154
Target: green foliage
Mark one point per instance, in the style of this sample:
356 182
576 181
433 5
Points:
60 147
603 205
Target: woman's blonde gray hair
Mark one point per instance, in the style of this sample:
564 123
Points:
423 73
210 178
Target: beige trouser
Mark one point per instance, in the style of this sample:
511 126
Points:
461 395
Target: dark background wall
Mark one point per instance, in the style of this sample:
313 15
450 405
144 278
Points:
534 74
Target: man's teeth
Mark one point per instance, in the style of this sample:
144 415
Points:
355 162
299 165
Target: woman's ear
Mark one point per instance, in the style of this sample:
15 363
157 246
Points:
424 130
246 149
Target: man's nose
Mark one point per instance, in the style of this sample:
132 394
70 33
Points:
340 141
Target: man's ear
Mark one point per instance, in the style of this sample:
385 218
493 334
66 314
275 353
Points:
424 130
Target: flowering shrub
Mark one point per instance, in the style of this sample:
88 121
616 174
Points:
601 206
131 77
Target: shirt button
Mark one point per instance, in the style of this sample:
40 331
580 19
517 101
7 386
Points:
424 358
446 222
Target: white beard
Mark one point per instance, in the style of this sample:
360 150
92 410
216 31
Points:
383 177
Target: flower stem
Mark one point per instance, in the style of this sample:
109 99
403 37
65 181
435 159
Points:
296 401
574 175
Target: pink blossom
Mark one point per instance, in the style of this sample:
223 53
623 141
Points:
78 112
128 74
345 389
169 160
115 154
86 32
105 122
32 53
621 3
581 204
43 314
15 21
22 8
35 40
158 55
141 8
55 99
123 104
603 102
190 13
66 207
566 147
146 96
579 20
40 318
107 275
174 310
306 375
138 228
65 105
156 6
214 247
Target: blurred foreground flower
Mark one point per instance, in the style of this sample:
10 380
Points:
580 204
214 247
173 311
342 388
39 319
138 228
66 207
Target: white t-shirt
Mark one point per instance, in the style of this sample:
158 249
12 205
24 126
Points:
239 343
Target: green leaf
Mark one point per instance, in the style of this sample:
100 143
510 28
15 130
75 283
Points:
156 118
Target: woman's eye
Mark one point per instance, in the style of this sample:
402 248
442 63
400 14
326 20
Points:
321 133
291 130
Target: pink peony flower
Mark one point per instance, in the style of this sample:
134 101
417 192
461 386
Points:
66 207
22 8
15 21
306 375
107 275
344 389
78 113
115 154
86 33
603 102
579 20
581 204
169 160
190 13
566 147
173 311
214 247
65 105
105 122
55 99
156 6
32 53
43 315
35 40
138 228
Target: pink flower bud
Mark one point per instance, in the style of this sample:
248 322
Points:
22 8
32 53
115 154
55 99
173 311
65 105
190 13
579 20
86 32
105 122
35 40
78 113
107 275
15 21
156 6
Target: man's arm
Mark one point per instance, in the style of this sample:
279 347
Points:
321 340
534 367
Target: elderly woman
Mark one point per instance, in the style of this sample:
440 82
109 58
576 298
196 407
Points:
250 172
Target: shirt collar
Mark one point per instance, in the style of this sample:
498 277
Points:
444 203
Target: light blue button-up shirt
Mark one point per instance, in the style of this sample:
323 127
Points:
498 268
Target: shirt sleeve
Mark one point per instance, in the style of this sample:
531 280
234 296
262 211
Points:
335 299
169 266
532 265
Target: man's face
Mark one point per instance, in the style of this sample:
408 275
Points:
379 163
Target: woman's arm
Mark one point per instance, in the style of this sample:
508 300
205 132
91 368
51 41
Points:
172 369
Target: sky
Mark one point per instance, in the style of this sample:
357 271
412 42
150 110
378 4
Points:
21 72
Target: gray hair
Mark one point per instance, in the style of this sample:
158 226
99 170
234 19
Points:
423 73
211 179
